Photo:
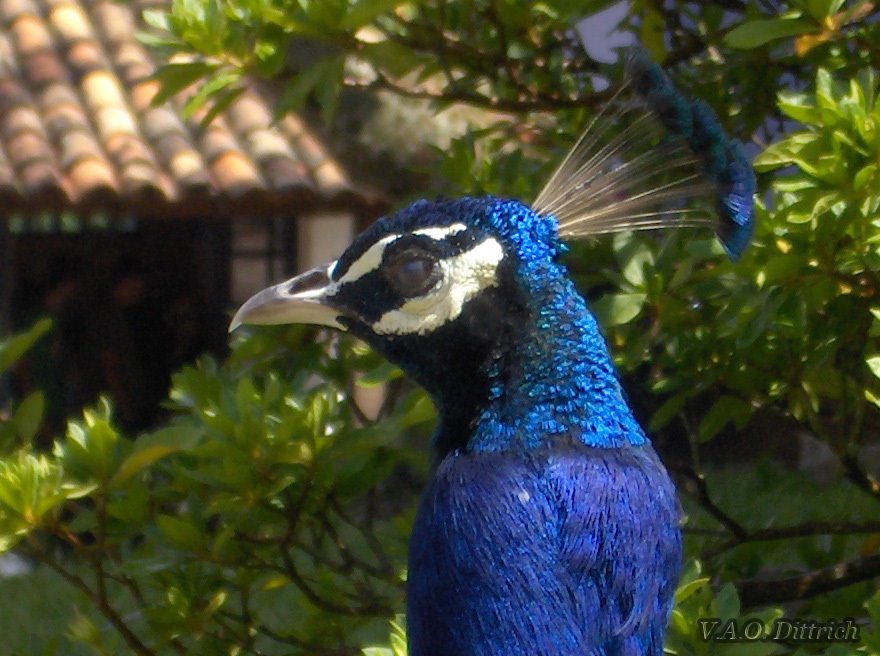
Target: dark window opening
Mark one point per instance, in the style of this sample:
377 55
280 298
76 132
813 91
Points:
132 302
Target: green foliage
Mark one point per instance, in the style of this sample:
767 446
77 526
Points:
263 494
12 349
397 641
42 615
696 601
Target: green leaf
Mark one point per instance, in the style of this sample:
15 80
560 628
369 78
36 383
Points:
633 256
33 486
669 409
823 204
798 106
298 89
90 448
874 364
398 635
678 623
15 347
865 178
176 77
270 55
382 374
726 602
366 11
419 411
221 101
397 639
83 629
688 589
156 18
181 533
393 57
724 410
822 9
327 92
29 416
756 33
794 183
618 309
214 88
826 96
799 148
152 447
652 31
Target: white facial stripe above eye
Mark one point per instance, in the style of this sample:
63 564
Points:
372 257
439 233
464 277
369 261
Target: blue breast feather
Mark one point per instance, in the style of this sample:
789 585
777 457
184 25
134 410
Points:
570 550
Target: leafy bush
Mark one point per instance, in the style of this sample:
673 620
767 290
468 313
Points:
265 515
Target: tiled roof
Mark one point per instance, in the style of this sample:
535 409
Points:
78 130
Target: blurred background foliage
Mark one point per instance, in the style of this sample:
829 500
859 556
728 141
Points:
270 516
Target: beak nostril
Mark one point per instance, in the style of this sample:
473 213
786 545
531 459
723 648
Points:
303 299
312 280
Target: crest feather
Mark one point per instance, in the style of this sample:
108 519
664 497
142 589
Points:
653 159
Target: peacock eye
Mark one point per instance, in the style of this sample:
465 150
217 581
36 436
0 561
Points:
413 273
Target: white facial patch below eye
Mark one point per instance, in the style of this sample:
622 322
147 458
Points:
464 277
372 257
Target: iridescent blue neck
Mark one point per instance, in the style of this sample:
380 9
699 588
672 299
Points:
551 377
557 380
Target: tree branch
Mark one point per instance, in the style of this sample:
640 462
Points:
131 639
705 500
861 478
755 592
807 529
515 106
384 570
293 640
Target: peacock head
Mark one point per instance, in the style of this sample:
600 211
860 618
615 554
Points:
435 287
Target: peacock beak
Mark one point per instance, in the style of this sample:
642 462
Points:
302 299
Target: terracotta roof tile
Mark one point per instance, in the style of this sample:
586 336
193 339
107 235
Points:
78 128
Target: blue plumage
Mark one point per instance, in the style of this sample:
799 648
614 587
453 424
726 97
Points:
549 526
560 550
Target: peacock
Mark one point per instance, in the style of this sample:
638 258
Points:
549 526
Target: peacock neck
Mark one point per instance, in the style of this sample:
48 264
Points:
550 379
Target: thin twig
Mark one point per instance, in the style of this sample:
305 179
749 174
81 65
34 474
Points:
705 500
754 592
131 639
385 569
808 529
861 478
294 641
